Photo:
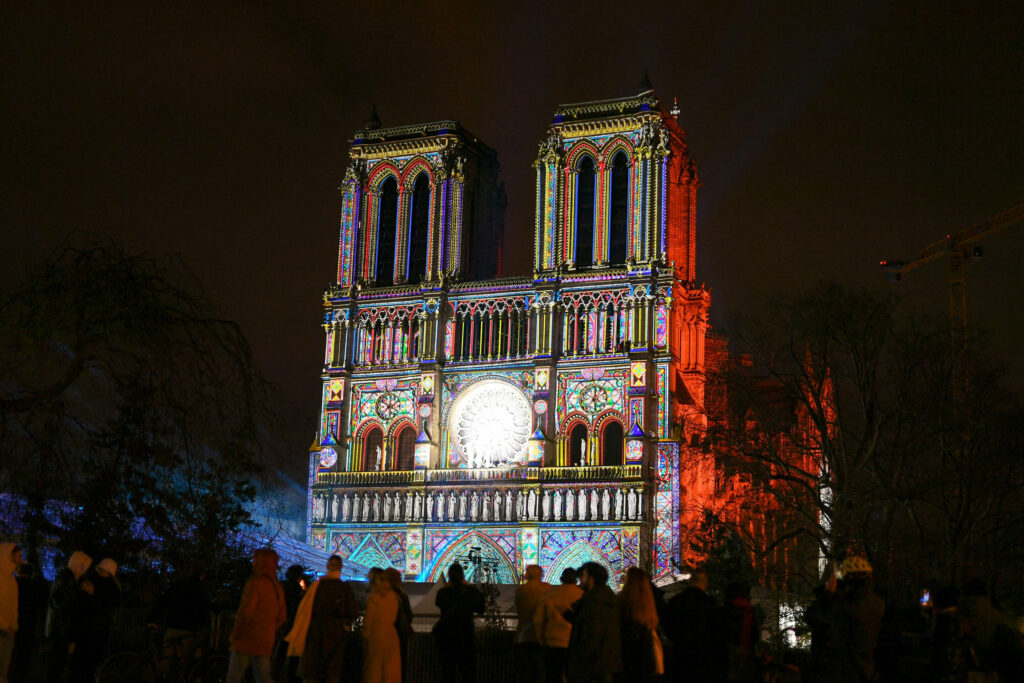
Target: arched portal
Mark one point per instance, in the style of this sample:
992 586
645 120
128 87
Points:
481 559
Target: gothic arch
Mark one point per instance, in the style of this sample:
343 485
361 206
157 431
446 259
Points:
461 546
380 173
613 147
412 170
583 147
575 555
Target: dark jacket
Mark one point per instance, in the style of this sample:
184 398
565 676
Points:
595 645
458 603
691 616
334 608
855 620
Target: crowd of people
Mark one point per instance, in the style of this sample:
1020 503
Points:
578 631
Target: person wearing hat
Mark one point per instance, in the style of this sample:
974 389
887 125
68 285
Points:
855 620
100 598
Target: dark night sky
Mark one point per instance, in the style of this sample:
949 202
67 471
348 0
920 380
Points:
826 137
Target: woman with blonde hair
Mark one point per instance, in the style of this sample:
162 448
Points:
382 661
640 642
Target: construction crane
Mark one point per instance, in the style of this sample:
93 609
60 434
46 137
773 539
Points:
958 248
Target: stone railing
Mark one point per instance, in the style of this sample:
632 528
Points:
482 504
388 478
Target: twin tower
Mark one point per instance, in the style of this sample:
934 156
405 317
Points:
534 419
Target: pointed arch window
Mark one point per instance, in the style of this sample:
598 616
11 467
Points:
387 225
373 443
585 177
611 443
619 209
419 214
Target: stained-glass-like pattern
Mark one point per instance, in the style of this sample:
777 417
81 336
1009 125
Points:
661 327
572 547
413 551
590 392
375 549
663 427
636 412
637 374
666 510
498 546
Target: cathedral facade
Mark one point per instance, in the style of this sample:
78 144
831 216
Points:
508 421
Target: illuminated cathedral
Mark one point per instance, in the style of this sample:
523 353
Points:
534 419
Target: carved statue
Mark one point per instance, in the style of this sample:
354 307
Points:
334 508
557 504
581 504
413 509
474 507
583 453
430 508
570 505
593 504
378 459
632 504
531 510
546 505
618 504
408 504
508 506
346 508
462 505
387 507
366 507
485 507
451 507
606 504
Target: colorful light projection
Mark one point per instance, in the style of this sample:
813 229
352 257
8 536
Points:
490 425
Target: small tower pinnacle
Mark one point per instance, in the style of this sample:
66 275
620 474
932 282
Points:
674 111
372 123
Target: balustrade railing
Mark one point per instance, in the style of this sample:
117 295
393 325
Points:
580 474
483 504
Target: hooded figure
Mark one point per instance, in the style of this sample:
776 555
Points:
61 612
10 558
99 599
261 613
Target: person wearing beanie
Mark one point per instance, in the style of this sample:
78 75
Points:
62 611
10 558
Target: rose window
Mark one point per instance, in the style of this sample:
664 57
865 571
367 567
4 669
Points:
490 425
388 405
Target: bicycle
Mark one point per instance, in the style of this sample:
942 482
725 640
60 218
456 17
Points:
130 666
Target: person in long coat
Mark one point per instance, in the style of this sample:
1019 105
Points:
382 662
322 624
403 624
458 602
642 657
62 609
260 613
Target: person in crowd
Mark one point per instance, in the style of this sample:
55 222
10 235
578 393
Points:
184 611
689 615
458 602
261 612
322 623
529 656
855 619
993 644
62 609
100 599
33 592
641 646
551 626
403 623
382 660
595 644
739 633
294 586
816 618
10 559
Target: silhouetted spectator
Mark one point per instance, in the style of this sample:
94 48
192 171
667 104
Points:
33 592
529 656
403 623
553 629
816 616
10 559
322 624
690 615
994 645
260 613
458 602
740 632
294 587
100 598
855 620
643 659
62 609
595 645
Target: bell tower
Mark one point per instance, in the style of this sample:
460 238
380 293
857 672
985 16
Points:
616 188
421 205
